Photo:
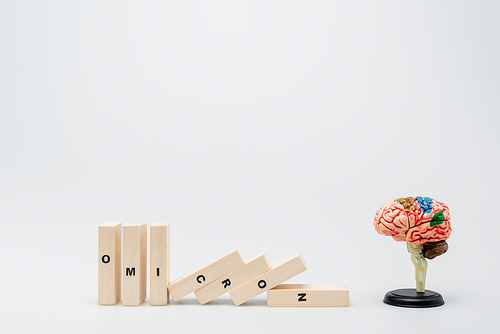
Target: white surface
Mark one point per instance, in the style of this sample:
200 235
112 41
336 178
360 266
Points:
276 126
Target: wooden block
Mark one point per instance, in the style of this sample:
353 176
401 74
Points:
280 272
159 263
135 237
253 267
309 295
206 274
109 263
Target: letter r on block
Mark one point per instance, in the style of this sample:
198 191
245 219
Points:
226 283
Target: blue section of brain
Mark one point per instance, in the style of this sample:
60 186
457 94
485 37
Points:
425 204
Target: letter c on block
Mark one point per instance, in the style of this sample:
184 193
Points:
200 279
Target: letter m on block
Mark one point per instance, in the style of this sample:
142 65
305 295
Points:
130 271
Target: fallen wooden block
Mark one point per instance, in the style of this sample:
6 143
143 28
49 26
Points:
252 268
206 274
109 263
134 264
309 295
280 272
159 264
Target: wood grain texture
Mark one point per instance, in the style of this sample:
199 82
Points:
253 267
159 263
280 272
134 264
109 263
206 274
308 295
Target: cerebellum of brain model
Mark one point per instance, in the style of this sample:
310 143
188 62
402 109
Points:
418 220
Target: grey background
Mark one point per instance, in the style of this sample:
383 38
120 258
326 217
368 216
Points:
268 125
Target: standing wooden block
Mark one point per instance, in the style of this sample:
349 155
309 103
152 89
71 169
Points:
253 267
206 274
309 295
280 272
135 237
109 267
159 267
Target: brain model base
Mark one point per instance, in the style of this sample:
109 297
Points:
423 223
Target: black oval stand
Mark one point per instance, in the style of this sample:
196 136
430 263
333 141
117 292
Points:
412 298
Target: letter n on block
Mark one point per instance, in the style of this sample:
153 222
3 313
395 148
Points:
109 263
135 237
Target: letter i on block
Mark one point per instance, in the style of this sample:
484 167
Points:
109 265
159 263
135 237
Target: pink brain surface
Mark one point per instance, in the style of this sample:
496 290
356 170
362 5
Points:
415 219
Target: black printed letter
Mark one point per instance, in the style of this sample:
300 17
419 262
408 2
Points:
157 271
302 297
262 284
105 258
226 283
130 272
200 279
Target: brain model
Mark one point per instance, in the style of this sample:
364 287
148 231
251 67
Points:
418 220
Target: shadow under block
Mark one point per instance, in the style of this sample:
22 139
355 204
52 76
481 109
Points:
280 272
308 295
159 264
135 238
253 267
206 274
109 263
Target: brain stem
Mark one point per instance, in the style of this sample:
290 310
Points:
420 263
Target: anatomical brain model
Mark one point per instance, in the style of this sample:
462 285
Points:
425 225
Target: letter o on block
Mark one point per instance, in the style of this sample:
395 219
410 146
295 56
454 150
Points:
262 284
105 259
